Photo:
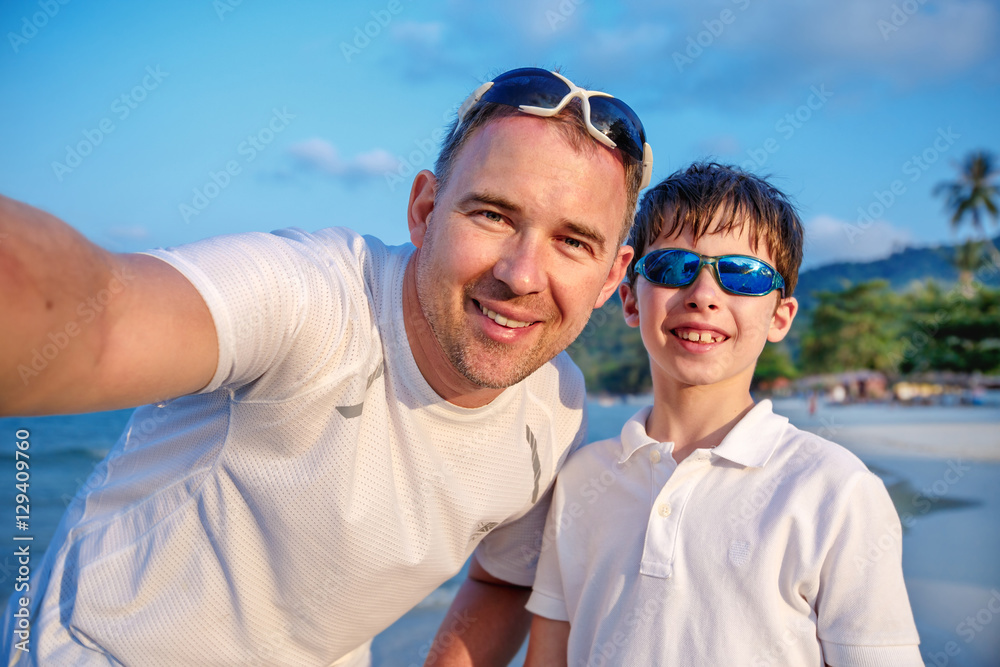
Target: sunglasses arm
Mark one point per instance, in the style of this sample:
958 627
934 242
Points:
647 164
471 101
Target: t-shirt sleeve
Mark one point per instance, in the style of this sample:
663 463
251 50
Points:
265 292
862 608
510 552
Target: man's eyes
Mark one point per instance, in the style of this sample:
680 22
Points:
570 241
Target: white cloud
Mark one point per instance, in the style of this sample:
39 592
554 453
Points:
831 240
318 154
624 44
903 41
720 145
128 233
425 33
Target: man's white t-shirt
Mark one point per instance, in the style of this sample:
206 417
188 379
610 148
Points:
313 492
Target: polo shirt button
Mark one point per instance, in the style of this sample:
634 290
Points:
654 456
664 510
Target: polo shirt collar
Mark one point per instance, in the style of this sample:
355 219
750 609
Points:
754 438
634 435
750 444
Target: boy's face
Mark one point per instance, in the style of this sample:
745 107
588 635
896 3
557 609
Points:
701 335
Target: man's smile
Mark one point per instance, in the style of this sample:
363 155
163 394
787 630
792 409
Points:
503 321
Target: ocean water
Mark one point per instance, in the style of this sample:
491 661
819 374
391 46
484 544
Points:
950 548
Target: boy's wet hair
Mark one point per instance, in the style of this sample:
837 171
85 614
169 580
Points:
718 198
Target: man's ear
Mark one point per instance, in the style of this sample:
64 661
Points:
418 211
616 274
782 319
630 307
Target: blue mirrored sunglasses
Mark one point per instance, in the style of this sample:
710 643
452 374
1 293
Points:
542 93
737 274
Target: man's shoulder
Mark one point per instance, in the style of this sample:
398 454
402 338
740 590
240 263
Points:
340 243
560 379
594 458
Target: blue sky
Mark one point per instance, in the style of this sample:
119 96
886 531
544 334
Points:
150 125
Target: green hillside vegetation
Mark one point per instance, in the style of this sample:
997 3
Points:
906 314
901 270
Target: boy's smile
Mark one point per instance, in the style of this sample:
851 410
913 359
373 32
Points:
700 334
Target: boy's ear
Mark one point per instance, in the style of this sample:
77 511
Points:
630 308
615 275
781 321
418 212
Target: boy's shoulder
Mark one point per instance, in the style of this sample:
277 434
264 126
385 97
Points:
831 456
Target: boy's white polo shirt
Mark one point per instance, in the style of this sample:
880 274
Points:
776 547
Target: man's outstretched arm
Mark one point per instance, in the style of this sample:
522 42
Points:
85 329
485 625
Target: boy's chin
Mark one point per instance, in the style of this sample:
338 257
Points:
717 383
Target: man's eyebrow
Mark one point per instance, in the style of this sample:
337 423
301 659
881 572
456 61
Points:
594 236
487 198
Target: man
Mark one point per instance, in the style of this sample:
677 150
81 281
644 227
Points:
349 420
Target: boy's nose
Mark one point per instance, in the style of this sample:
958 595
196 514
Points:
704 292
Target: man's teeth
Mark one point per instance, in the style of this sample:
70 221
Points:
501 320
699 336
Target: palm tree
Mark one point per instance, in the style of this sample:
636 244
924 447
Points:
968 258
973 192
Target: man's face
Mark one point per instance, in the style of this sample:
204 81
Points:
516 252
701 335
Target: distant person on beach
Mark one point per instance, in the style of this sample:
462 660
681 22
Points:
339 424
712 531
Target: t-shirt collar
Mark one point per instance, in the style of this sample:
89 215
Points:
750 444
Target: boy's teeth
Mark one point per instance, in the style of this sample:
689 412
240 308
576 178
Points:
699 337
501 320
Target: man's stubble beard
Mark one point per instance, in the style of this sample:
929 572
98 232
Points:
499 366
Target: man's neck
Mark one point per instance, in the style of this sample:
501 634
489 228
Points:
696 417
431 360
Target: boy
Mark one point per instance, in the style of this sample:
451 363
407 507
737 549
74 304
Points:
712 531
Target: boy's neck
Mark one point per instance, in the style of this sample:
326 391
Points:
696 417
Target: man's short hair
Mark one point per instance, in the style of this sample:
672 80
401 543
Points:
569 121
708 196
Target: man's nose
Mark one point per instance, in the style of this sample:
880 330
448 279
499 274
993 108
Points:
521 265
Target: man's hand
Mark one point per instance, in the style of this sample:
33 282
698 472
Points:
549 643
485 625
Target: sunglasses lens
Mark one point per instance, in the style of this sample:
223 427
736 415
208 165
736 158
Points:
619 123
672 268
528 86
745 275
